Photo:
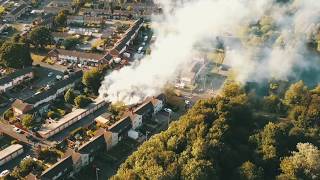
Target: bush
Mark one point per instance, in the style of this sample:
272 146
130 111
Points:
14 142
52 114
82 101
8 114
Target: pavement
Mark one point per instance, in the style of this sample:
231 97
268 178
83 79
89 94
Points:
7 129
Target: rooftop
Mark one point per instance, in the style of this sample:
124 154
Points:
18 73
78 54
120 125
94 143
9 150
53 125
57 168
52 90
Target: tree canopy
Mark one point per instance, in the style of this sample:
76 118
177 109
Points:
41 37
230 137
92 79
15 55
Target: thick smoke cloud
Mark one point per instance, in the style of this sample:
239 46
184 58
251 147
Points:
186 24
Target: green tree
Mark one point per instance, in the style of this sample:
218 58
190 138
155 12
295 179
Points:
297 94
61 19
92 79
48 155
41 37
82 101
27 121
302 164
27 166
70 43
249 171
272 103
69 96
15 55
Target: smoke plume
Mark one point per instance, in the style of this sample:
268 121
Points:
186 24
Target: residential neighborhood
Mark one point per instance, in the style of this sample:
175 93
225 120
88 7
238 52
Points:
52 115
159 89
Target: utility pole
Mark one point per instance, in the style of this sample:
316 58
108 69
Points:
97 174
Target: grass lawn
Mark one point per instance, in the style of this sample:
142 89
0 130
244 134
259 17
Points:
37 58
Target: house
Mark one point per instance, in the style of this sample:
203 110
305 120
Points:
19 107
16 12
62 169
145 110
127 38
91 59
118 130
74 159
52 127
136 119
10 153
89 20
23 106
104 119
157 104
16 78
75 20
46 20
56 6
84 20
89 149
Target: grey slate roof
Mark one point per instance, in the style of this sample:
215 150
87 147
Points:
144 108
15 74
91 146
121 125
52 90
64 165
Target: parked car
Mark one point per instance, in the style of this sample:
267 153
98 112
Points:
17 130
50 74
167 110
4 173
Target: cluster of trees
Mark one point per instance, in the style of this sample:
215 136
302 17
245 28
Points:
230 137
260 32
15 52
28 121
92 80
82 101
27 166
15 55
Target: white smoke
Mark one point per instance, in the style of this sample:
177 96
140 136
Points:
186 23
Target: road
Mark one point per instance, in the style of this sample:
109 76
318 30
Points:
7 129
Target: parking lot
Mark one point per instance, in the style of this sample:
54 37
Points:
28 89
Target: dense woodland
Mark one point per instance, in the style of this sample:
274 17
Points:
237 135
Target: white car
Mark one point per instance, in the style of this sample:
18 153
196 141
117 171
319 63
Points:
17 130
50 74
27 157
4 173
167 110
187 101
